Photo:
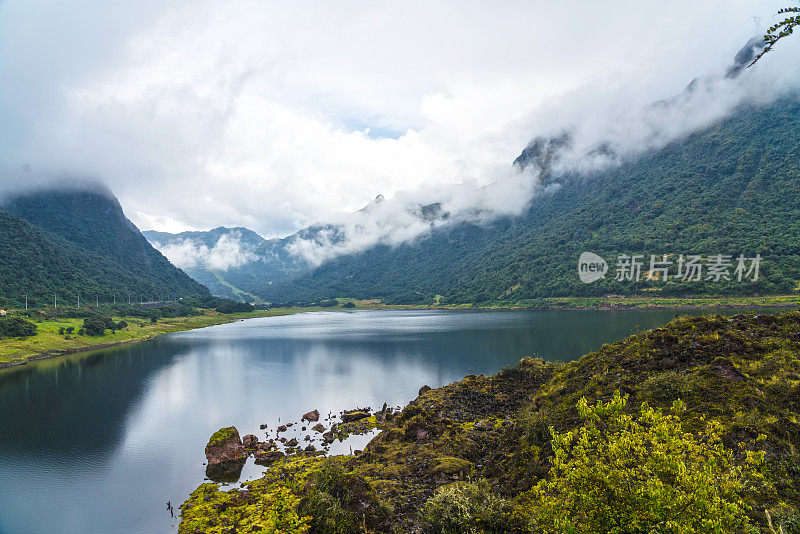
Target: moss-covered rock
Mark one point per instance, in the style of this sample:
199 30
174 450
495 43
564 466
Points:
225 454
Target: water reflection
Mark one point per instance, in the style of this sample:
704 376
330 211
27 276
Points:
100 442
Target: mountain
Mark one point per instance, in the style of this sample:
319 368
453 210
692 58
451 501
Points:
77 241
733 188
209 238
226 260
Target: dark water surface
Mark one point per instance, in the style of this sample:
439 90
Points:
100 442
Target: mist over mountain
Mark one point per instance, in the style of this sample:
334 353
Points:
76 240
708 193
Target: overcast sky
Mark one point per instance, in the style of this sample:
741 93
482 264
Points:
271 115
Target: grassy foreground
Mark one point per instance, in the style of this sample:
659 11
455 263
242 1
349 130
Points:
480 455
48 342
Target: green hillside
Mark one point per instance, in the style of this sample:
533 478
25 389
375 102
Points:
731 189
80 243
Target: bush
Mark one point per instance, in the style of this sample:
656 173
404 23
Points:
16 327
234 307
96 325
348 305
623 474
467 508
340 502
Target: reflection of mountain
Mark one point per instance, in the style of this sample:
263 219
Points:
80 402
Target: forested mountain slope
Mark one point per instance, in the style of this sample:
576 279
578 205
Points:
80 242
731 189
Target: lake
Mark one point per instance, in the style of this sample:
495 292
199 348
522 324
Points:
100 442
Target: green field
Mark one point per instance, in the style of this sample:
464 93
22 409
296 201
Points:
48 342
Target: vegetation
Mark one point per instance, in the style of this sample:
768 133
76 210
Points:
467 507
620 474
705 194
780 30
697 420
273 512
66 245
57 335
16 327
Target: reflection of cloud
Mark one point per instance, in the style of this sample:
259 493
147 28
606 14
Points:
226 253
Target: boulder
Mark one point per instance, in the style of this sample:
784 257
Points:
354 416
424 389
319 427
267 457
291 443
250 441
282 428
311 416
225 454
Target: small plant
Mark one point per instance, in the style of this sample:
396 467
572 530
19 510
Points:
339 502
666 387
467 507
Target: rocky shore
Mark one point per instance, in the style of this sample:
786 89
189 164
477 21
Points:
485 443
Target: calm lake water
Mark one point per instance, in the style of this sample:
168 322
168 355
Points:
100 442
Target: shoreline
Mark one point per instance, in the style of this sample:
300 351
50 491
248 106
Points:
550 304
168 328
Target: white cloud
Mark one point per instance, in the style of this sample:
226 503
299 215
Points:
207 113
226 253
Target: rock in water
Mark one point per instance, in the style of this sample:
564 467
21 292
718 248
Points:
250 441
311 416
354 416
225 454
267 457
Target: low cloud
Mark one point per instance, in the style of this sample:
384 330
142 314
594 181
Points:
274 115
228 252
582 133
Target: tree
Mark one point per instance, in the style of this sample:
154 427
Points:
780 30
16 327
623 475
95 325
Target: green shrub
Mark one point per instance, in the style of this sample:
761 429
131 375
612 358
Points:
339 502
348 305
467 507
16 327
618 474
96 325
